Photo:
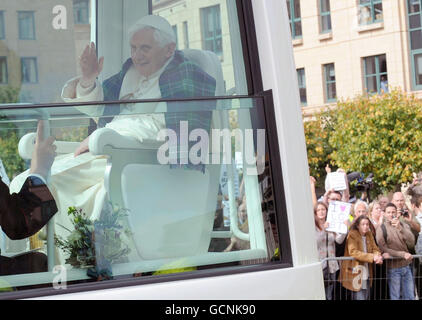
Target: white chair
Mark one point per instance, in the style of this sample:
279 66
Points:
171 211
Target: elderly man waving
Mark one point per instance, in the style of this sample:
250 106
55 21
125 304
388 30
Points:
155 70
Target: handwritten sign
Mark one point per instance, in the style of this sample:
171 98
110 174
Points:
338 212
337 181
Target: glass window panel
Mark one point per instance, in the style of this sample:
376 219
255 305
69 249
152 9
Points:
378 12
298 29
370 65
326 23
414 6
415 21
3 70
139 234
416 39
212 29
186 34
418 69
382 60
331 91
325 5
29 70
2 28
26 25
371 84
297 8
162 243
56 51
81 11
289 9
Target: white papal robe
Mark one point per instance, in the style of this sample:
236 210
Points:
79 181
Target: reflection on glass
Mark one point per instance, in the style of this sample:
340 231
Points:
157 218
26 25
49 55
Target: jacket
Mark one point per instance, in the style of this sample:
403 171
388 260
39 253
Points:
396 244
351 270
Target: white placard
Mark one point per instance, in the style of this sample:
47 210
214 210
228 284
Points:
338 212
337 181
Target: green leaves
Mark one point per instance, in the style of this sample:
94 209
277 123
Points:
378 134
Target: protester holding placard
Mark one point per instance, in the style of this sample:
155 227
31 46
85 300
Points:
326 247
356 275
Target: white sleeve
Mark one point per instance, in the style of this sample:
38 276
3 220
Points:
73 92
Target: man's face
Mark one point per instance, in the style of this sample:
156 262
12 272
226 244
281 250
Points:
147 56
334 197
398 200
390 213
383 202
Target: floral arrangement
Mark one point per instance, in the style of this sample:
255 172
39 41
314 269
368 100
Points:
95 244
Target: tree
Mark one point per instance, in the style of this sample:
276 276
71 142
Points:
317 133
9 138
379 134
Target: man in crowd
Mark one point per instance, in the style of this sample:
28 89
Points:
404 214
393 237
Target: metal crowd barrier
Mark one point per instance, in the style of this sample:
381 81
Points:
379 290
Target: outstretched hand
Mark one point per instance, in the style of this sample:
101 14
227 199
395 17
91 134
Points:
90 65
83 147
44 152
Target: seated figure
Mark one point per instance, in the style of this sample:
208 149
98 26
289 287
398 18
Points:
155 70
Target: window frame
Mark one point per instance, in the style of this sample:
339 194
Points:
32 35
323 14
371 6
327 82
413 52
293 19
378 74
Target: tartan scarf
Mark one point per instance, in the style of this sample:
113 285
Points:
180 79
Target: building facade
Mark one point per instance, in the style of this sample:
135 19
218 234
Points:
31 47
344 48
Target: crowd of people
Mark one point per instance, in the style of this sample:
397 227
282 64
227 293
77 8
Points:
379 247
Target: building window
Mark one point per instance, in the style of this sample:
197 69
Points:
3 70
29 70
2 29
302 86
293 8
211 29
325 16
26 25
186 35
175 34
415 36
370 11
375 74
81 11
330 82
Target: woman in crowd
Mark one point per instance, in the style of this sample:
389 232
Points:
326 247
375 213
356 275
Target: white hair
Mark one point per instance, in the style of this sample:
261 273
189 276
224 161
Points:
162 38
359 202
